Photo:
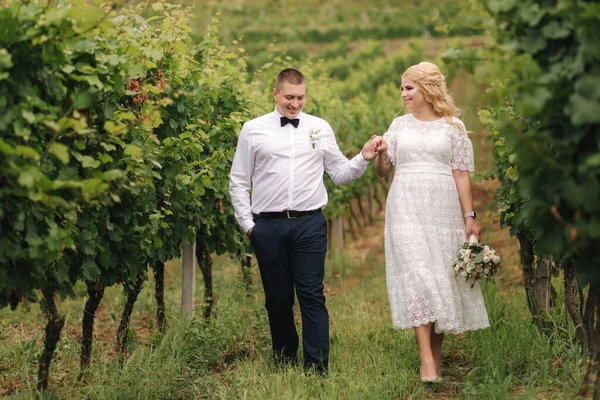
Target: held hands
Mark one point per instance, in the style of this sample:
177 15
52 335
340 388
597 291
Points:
379 144
368 151
376 145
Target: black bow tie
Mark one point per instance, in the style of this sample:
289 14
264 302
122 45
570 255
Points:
295 122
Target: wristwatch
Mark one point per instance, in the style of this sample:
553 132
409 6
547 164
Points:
471 214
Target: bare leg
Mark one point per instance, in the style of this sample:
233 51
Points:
424 339
437 339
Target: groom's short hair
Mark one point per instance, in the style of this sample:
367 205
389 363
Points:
289 75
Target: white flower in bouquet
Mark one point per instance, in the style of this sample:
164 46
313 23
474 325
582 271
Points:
476 261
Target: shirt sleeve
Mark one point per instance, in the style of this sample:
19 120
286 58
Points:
240 179
341 170
462 149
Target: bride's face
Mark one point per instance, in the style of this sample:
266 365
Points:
411 95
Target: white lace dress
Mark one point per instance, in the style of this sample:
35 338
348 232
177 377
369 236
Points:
424 228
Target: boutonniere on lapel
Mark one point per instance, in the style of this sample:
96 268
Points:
315 135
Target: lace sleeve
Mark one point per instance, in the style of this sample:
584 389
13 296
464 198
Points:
462 150
391 137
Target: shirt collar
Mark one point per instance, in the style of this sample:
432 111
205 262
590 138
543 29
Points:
279 115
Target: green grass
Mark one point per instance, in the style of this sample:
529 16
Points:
231 358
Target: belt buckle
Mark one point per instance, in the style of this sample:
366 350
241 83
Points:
288 215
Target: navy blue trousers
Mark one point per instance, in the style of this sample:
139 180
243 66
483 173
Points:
291 257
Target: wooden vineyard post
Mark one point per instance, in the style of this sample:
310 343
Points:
338 233
188 280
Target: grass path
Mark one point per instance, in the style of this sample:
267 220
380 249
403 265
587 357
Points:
368 358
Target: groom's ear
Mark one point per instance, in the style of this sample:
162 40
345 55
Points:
274 92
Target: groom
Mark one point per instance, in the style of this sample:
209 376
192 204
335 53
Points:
280 159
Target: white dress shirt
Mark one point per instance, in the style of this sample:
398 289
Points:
282 170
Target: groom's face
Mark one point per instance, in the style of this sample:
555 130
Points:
290 99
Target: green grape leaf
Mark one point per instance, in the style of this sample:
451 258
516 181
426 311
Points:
60 151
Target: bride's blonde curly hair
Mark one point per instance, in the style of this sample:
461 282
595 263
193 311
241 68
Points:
429 80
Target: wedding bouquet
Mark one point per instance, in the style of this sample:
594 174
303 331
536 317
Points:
476 261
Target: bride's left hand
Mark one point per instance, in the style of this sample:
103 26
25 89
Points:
472 228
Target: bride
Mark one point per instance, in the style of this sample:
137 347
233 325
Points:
431 154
